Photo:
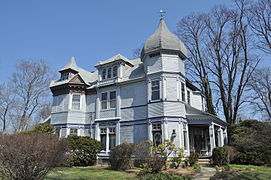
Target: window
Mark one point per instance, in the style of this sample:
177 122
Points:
188 97
103 138
73 132
104 100
155 89
185 139
108 100
104 74
76 101
64 76
112 138
113 99
157 134
183 92
115 71
108 138
109 71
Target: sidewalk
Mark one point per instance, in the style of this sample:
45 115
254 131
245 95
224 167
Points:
205 173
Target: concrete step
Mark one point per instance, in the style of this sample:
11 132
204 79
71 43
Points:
204 162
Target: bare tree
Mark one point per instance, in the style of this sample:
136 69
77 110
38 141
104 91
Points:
30 84
137 52
231 61
6 105
192 29
260 23
260 88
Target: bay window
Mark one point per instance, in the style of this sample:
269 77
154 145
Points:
155 90
76 101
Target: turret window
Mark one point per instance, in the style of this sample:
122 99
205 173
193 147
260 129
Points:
183 92
104 74
76 101
155 89
188 97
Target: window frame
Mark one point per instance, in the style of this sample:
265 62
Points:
73 133
158 90
72 102
64 76
188 97
183 91
109 72
104 101
108 100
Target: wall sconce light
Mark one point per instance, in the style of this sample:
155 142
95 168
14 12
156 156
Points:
174 133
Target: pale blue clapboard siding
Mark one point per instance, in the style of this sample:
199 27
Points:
174 109
174 126
153 64
90 103
134 113
60 103
171 91
155 109
59 118
140 133
133 94
135 133
171 63
109 113
126 134
76 117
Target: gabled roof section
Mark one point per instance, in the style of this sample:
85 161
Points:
115 58
77 80
71 65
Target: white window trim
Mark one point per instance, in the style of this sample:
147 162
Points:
70 102
107 137
108 100
106 72
160 90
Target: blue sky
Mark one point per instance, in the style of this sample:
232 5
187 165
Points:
90 30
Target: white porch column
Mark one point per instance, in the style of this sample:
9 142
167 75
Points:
164 88
150 131
181 137
185 126
165 131
97 132
107 141
118 133
226 135
212 136
221 139
118 103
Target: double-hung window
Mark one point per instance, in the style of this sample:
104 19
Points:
183 92
188 97
103 132
109 100
109 71
155 90
115 71
108 137
104 100
103 74
76 101
113 99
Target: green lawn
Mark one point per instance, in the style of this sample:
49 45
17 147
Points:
255 173
88 173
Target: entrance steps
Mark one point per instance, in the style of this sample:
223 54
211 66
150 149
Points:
204 161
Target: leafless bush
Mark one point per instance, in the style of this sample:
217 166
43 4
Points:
30 156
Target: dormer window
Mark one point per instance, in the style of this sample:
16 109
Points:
104 74
64 76
109 72
115 71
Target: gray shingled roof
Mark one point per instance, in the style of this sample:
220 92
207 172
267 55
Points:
163 39
114 58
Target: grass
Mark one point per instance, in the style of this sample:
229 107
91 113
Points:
256 172
88 174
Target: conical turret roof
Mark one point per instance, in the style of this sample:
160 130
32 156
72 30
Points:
71 65
163 39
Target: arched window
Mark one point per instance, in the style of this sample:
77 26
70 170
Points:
115 71
104 74
109 71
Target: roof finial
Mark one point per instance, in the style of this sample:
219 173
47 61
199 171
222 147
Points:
162 13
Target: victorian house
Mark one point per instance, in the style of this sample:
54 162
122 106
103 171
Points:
133 100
